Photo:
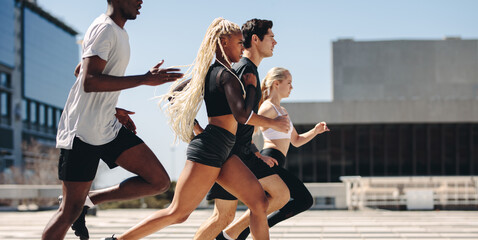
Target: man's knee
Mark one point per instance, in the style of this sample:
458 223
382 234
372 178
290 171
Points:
224 218
161 184
70 213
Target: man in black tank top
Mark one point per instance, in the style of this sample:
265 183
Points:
259 43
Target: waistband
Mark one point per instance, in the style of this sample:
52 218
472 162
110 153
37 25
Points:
276 154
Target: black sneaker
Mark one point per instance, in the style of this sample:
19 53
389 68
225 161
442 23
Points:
79 226
110 238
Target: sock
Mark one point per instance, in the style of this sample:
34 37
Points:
88 202
227 236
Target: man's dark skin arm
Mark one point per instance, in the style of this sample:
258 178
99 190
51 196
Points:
96 81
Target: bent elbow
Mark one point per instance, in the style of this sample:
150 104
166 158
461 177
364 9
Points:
295 143
241 119
88 86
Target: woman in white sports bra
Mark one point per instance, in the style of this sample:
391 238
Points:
277 85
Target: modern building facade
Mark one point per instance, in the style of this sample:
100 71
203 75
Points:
38 54
400 108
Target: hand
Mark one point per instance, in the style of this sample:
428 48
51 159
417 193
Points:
197 129
77 70
268 160
249 79
123 117
281 124
321 127
157 76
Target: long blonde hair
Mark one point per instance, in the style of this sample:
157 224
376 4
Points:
184 105
274 74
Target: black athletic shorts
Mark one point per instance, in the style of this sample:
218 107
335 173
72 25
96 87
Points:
258 167
276 154
211 147
80 163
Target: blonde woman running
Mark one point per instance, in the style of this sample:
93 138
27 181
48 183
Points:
208 153
276 86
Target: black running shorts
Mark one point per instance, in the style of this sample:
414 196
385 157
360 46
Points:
80 163
212 147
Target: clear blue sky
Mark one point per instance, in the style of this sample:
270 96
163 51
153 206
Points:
304 29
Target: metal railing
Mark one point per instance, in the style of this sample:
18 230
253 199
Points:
441 191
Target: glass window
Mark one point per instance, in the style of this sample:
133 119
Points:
49 117
391 150
5 80
33 112
406 150
349 148
449 150
377 161
474 150
41 111
435 150
463 148
4 104
25 110
420 150
363 144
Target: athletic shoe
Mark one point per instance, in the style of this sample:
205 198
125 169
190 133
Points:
110 238
79 226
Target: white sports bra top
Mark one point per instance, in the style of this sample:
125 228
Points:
271 134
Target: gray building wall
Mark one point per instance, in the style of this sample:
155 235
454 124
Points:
405 69
398 81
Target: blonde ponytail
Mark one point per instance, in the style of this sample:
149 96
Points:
274 74
184 105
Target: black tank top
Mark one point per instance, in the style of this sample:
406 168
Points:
214 97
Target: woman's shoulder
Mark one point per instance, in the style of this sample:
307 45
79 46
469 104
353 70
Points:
267 109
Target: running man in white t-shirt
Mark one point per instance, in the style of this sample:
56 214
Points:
89 130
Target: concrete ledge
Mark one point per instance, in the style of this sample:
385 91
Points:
15 191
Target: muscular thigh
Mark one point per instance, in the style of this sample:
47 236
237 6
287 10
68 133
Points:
237 179
295 185
141 160
274 185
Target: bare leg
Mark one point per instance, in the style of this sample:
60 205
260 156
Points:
74 194
193 184
278 197
234 176
152 177
223 215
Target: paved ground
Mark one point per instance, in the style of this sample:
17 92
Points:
333 225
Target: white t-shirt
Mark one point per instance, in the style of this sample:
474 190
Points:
91 116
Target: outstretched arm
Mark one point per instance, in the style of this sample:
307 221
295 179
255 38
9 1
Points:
96 81
298 140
